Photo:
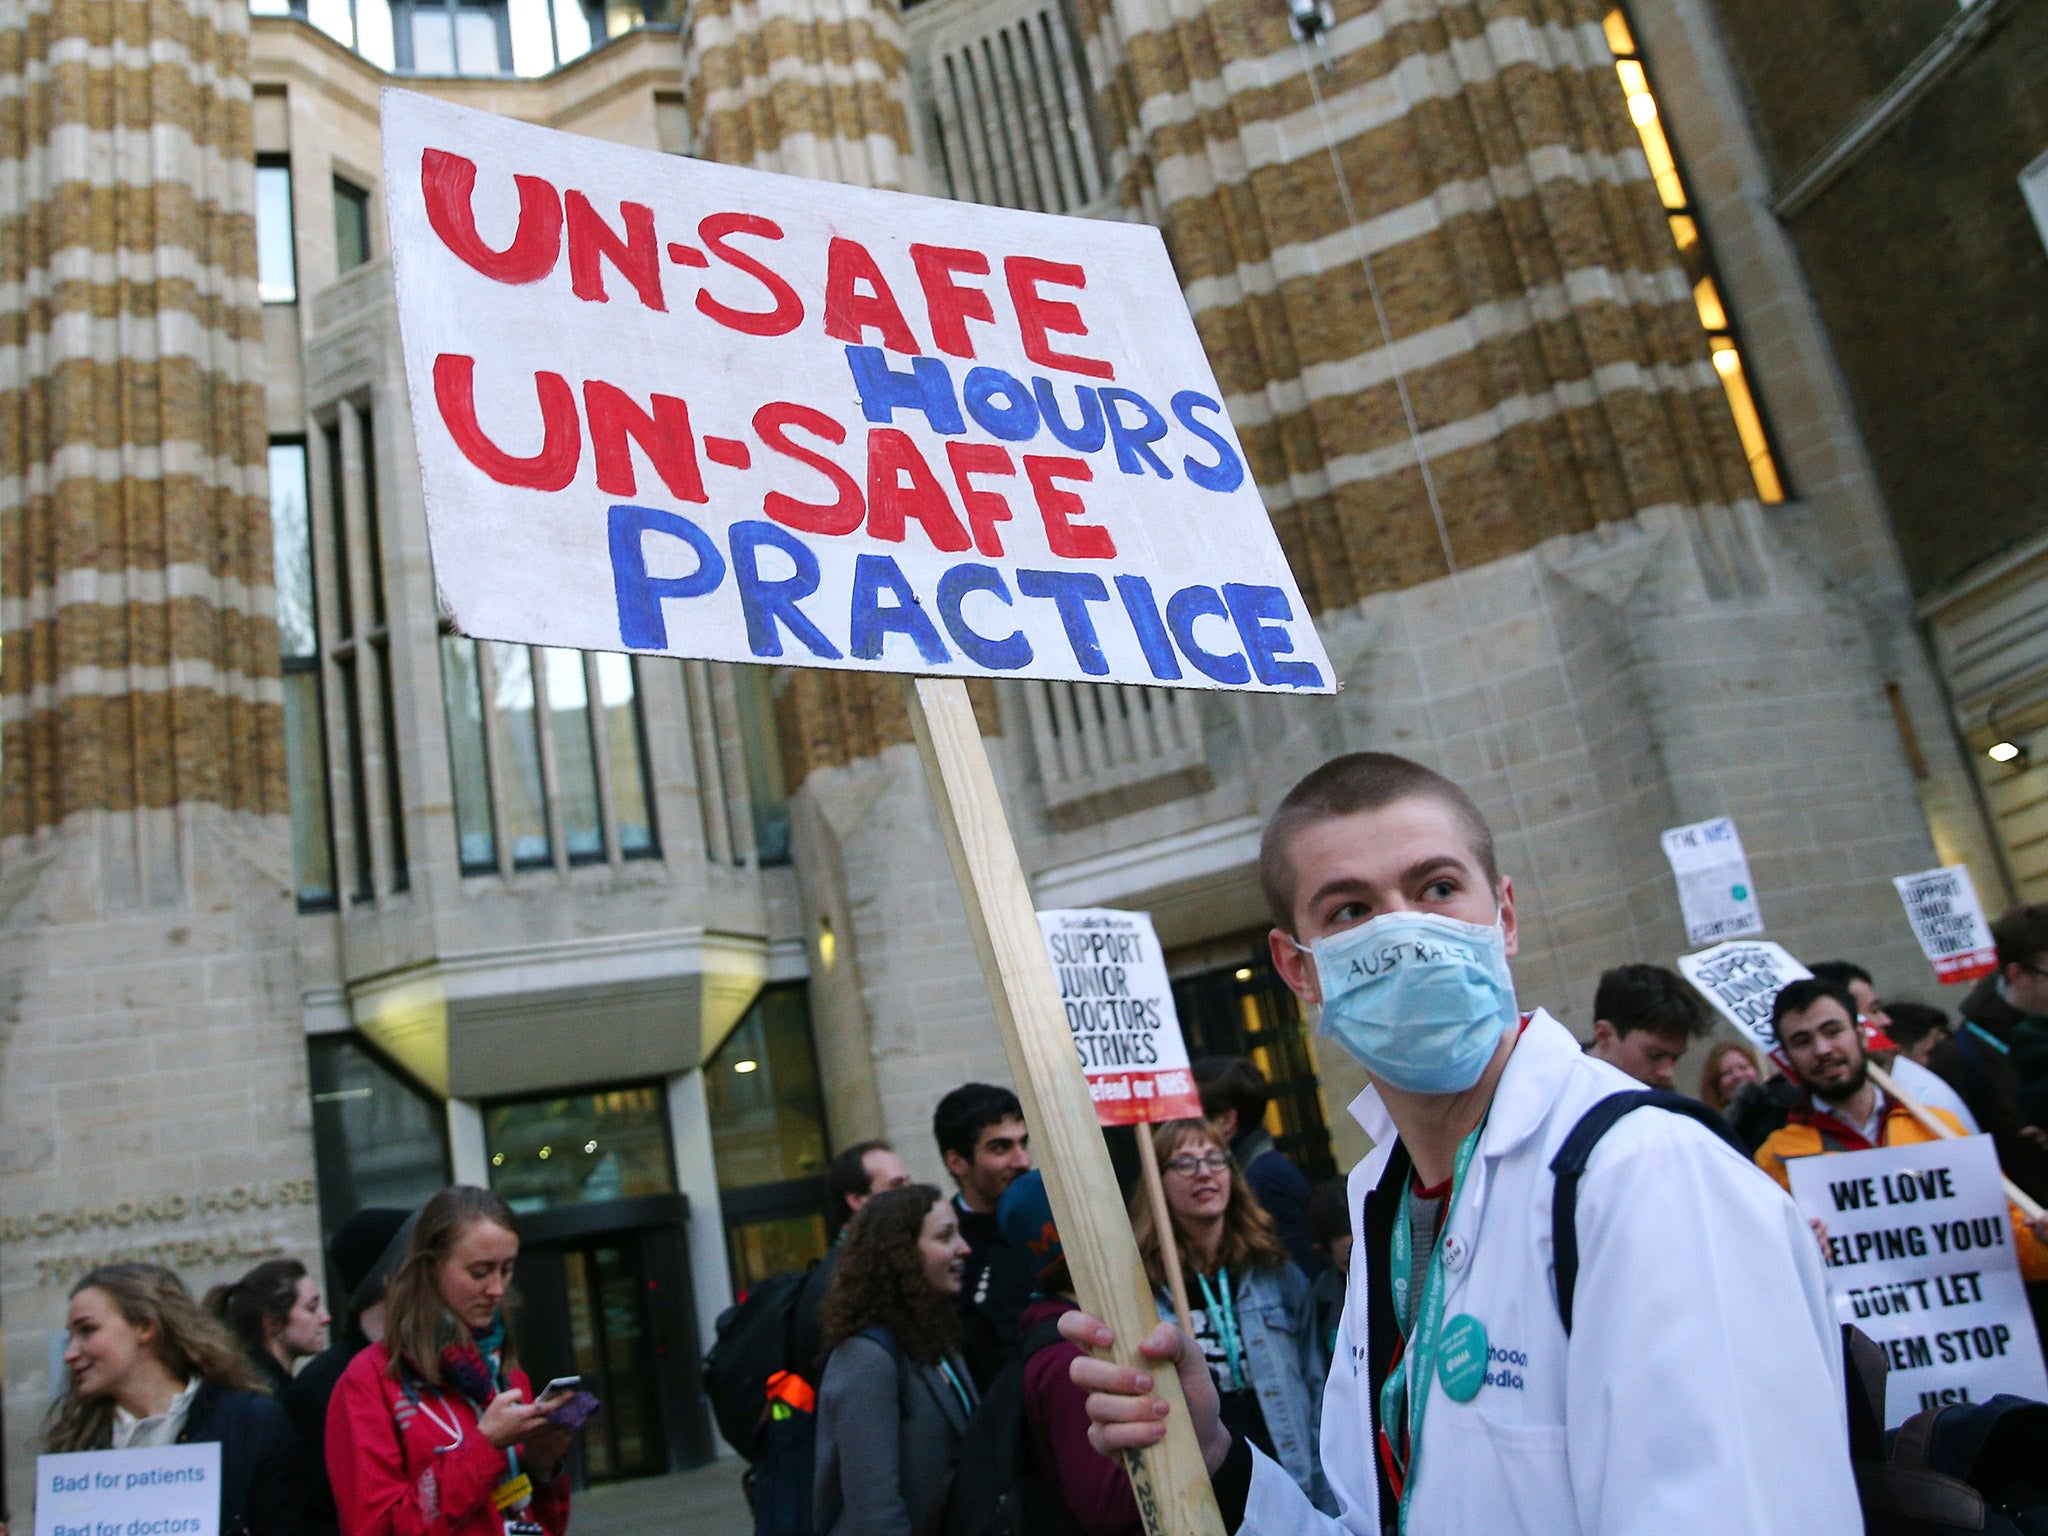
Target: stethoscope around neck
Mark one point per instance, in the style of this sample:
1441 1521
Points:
419 1401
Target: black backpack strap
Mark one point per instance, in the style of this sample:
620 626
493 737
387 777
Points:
1571 1160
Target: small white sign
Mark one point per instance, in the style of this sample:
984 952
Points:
667 405
1119 1003
1742 978
165 1490
1715 892
1920 1257
1942 906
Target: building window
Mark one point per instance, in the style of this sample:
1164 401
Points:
277 268
543 761
569 1150
1690 237
377 1138
351 225
767 789
298 641
453 37
768 1133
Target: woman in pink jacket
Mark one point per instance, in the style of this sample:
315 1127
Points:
432 1431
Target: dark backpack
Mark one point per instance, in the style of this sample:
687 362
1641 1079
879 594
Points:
992 1494
753 1344
1967 1467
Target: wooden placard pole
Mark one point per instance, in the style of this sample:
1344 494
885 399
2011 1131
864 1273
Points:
1162 1220
1170 1481
2028 1206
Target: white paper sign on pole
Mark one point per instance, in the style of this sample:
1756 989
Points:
1920 1257
672 406
1742 978
1942 906
166 1490
1119 1003
1715 893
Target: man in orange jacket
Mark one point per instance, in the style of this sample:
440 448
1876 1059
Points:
1844 1111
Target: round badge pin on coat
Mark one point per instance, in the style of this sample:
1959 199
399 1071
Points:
1461 1364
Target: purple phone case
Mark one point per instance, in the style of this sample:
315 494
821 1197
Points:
578 1406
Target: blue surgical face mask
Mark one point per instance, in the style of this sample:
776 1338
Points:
1421 1000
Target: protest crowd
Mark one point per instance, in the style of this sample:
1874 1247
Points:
1679 1369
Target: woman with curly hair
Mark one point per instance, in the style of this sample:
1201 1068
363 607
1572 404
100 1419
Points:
1253 1311
895 1396
148 1367
276 1311
431 1430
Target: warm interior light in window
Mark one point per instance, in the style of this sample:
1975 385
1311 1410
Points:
1749 425
1708 298
1244 973
2004 752
828 943
1684 233
749 1065
1618 36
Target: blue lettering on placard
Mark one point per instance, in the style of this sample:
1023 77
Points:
768 604
928 387
1015 420
1227 473
870 624
641 626
1182 609
1266 643
1150 628
1090 434
1005 655
1072 592
1134 439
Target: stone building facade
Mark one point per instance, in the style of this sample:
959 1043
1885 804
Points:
312 904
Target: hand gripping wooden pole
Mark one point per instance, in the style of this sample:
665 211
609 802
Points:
1171 1484
2028 1206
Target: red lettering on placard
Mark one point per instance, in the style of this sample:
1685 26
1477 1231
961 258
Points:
773 422
788 312
637 255
561 444
984 508
1037 315
949 305
1057 506
891 457
663 435
849 313
448 183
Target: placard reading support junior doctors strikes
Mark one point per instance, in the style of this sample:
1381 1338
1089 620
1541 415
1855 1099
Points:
1119 1004
1920 1257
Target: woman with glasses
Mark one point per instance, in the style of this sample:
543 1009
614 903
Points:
1253 1310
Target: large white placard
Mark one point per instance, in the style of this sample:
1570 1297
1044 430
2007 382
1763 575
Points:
1715 893
1947 919
1742 978
667 405
1920 1257
1112 976
165 1490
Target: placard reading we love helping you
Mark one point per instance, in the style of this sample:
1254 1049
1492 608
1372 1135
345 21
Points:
671 406
166 1490
1920 1257
1119 1002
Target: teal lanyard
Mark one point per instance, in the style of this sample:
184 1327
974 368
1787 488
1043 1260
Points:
1988 1038
1223 1318
959 1387
1405 1394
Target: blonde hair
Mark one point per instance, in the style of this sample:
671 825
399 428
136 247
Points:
185 1340
1251 1240
1710 1071
416 1320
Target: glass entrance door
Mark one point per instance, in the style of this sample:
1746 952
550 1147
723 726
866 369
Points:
613 1345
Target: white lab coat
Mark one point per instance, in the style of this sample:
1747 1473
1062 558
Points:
1700 1389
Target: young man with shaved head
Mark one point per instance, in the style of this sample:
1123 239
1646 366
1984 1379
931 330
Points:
1687 1381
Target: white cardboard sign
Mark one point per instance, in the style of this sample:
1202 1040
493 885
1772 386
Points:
1715 892
1742 978
1920 1257
1942 906
672 406
1112 976
165 1490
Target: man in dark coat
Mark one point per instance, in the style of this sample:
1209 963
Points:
1997 1059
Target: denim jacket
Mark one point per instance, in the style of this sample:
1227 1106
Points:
1276 1315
